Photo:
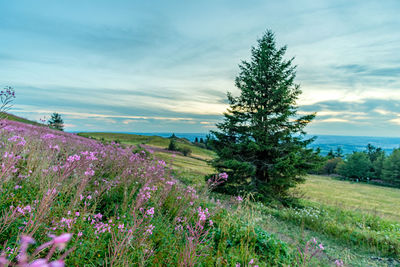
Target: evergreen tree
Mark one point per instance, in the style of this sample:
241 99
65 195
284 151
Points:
196 140
56 122
201 140
172 145
261 142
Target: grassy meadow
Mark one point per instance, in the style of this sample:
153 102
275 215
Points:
154 141
118 199
74 201
361 197
359 223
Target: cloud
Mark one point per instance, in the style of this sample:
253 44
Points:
169 65
133 121
368 117
333 120
395 121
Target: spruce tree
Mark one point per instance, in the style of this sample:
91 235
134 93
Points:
261 142
56 122
172 145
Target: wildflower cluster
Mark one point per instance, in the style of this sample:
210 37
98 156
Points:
103 194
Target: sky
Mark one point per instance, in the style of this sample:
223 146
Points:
166 66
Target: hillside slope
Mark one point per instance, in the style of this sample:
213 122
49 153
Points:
112 176
12 117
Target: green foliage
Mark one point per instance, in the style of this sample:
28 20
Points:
330 155
172 145
186 151
391 168
350 227
271 248
56 122
330 165
376 157
261 143
356 166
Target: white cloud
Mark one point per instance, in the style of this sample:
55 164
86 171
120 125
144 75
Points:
333 120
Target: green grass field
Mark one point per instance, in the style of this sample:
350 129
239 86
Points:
371 199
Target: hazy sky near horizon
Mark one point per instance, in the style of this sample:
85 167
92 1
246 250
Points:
165 66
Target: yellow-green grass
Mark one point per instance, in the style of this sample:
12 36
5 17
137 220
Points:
188 170
155 141
382 201
12 117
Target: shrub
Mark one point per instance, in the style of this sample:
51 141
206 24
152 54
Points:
186 151
172 145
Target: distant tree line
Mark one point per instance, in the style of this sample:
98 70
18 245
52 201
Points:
204 142
370 165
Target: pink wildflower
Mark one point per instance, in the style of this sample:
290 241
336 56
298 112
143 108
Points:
61 240
150 212
39 263
57 263
338 263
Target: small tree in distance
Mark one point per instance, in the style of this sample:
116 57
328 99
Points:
261 143
6 97
172 145
56 122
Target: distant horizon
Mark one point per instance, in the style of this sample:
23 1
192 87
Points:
170 132
325 143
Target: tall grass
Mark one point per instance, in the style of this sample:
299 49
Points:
116 207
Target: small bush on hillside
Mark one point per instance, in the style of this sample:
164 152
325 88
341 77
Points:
186 151
172 145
